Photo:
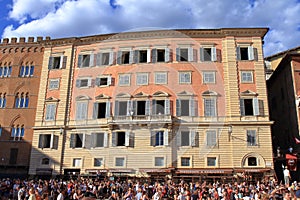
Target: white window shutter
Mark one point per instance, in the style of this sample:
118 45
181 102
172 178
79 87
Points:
92 60
147 111
242 107
250 53
213 54
192 138
238 53
127 138
166 138
61 62
190 54
52 141
191 107
111 58
178 138
83 140
89 82
167 55
107 111
109 80
148 55
105 140
201 54
128 107
167 107
255 107
131 55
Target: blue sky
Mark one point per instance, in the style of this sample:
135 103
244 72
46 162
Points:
73 18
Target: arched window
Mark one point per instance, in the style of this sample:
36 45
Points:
45 161
17 132
22 100
2 100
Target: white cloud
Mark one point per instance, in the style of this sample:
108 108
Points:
58 18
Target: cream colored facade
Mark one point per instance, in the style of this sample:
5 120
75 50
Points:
171 102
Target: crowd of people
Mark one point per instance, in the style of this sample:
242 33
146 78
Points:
143 189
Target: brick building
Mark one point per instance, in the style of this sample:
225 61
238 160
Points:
20 69
157 103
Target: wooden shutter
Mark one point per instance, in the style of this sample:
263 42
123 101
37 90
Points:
107 109
51 140
95 110
116 108
167 55
55 141
127 138
63 61
134 107
50 64
154 55
136 56
41 141
166 138
114 139
87 141
238 53
93 140
109 80
128 107
177 54
31 71
72 140
131 55
242 107
154 107
178 107
261 107
191 107
178 138
78 81
213 54
80 58
152 138
255 107
97 81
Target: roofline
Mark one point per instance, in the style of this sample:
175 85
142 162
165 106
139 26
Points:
281 53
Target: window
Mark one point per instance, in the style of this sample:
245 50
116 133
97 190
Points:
53 84
186 107
81 110
185 161
22 100
161 107
211 161
5 71
141 107
105 58
122 108
120 162
57 62
187 138
124 80
2 100
160 55
76 162
50 112
45 161
251 138
209 77
101 110
185 54
125 57
159 161
211 138
86 60
247 77
210 109
83 82
48 141
17 132
161 77
99 140
159 138
77 140
142 79
141 56
103 81
185 77
251 107
208 54
252 161
122 138
26 71
246 53
98 162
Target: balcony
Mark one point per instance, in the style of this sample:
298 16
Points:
140 119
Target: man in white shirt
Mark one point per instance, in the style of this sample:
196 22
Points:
287 176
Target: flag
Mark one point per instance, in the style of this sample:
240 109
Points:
297 140
291 162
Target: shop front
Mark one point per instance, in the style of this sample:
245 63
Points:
211 175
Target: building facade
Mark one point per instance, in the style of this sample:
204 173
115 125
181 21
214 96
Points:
20 69
284 94
157 103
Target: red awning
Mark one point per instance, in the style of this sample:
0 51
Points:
291 156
